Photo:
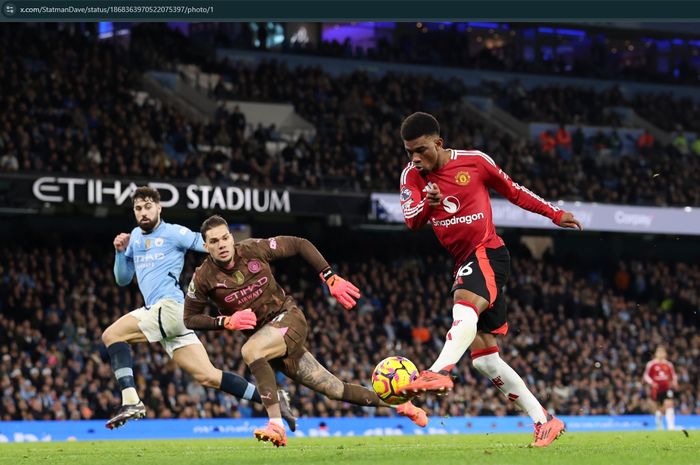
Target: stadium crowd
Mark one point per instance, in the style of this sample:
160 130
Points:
579 336
74 109
450 45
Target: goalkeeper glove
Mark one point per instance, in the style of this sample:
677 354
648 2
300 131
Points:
344 291
244 319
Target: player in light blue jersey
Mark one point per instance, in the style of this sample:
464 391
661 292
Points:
155 253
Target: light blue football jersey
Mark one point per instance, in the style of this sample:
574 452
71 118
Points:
157 259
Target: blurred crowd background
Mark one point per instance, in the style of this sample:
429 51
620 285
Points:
580 332
579 335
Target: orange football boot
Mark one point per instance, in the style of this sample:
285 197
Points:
546 433
416 414
272 432
429 381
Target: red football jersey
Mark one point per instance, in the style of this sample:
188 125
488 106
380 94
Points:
660 374
463 222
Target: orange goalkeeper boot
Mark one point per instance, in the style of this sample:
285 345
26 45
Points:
416 414
272 432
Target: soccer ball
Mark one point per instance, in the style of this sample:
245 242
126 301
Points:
390 375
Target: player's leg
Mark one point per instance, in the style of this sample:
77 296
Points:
478 283
669 410
117 338
305 369
486 360
656 403
267 344
465 316
194 359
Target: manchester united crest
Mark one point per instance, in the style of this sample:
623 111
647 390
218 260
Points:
462 178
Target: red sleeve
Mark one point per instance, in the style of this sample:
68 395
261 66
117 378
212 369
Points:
647 377
416 210
497 179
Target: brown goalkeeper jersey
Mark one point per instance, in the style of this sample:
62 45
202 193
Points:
249 283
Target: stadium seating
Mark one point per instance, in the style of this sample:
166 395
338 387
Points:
580 337
79 122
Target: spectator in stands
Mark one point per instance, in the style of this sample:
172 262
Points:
679 141
548 143
9 163
564 143
645 143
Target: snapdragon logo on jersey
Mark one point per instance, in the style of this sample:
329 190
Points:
101 192
466 219
451 204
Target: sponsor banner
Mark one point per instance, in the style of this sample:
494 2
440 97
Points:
594 217
92 430
65 191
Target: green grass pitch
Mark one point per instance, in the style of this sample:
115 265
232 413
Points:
647 448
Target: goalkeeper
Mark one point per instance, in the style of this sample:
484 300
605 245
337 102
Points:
237 278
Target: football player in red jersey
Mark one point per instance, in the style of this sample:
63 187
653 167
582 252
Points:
449 189
661 377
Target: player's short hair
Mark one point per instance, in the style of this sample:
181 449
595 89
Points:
210 223
419 124
145 192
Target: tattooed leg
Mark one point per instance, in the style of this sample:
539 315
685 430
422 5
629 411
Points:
313 375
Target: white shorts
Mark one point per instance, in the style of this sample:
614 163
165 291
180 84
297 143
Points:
163 322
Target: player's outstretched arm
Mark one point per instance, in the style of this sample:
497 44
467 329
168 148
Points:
568 220
521 196
123 265
287 246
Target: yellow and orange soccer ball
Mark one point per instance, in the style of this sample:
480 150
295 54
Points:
392 374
